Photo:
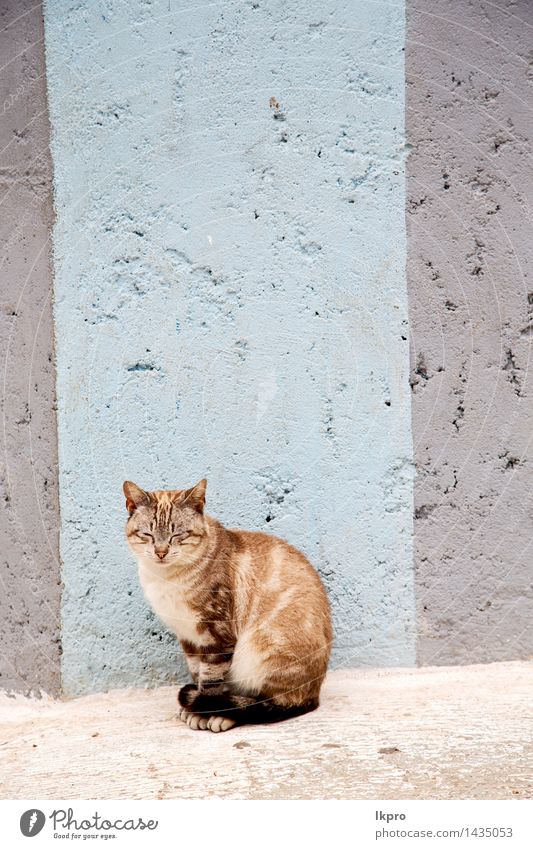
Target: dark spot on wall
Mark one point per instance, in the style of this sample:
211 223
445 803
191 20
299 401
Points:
454 484
475 257
143 367
510 462
499 141
480 183
275 489
434 274
112 113
459 415
242 348
424 511
415 203
512 370
419 373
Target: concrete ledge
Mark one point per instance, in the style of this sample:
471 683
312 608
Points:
433 733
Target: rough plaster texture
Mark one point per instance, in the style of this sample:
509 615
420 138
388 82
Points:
470 186
29 576
230 300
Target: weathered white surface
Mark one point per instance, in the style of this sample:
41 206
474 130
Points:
461 732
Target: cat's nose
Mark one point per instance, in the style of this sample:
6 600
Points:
161 553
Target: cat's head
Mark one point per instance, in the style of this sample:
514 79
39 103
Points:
165 526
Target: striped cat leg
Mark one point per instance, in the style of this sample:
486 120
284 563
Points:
210 682
213 670
202 702
194 721
211 687
193 664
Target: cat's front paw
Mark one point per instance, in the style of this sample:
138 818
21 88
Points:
219 723
187 695
193 720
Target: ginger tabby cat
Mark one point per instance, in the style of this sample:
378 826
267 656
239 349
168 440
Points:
249 610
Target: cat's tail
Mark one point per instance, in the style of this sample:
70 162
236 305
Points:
243 710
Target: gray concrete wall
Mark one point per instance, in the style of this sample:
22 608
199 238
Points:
470 181
30 590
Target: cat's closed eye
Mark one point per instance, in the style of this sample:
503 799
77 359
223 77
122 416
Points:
142 535
181 538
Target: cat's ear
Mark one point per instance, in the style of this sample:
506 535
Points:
195 497
135 496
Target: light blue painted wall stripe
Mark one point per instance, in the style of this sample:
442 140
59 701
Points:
231 300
